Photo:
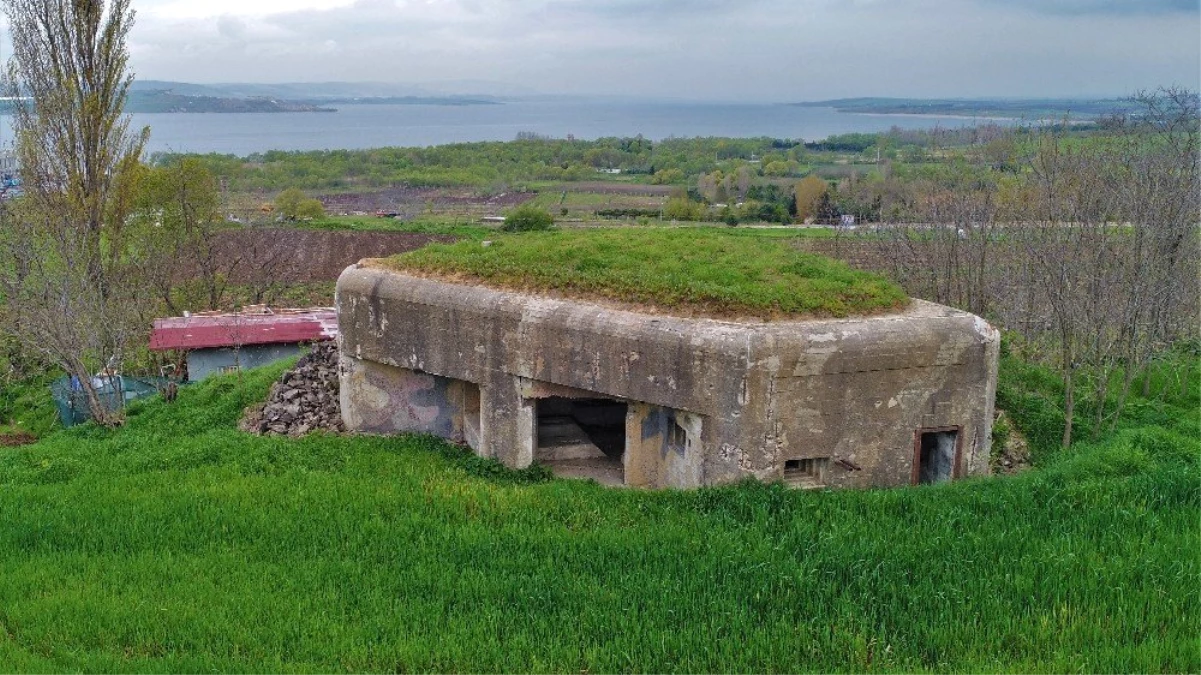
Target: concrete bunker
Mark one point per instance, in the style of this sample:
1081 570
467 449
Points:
656 401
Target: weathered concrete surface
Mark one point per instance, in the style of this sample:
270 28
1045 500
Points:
708 401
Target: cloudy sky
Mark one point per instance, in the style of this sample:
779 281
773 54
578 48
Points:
763 50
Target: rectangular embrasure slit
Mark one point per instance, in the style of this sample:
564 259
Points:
806 473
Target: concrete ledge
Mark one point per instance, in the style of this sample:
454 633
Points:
708 401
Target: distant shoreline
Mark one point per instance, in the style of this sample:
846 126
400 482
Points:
362 126
949 116
1034 111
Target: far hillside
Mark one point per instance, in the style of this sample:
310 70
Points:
1023 108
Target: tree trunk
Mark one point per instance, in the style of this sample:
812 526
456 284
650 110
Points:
1069 404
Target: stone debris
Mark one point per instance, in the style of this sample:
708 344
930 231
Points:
1013 456
304 399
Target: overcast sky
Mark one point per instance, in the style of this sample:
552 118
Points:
763 50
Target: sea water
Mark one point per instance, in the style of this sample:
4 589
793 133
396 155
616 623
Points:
372 126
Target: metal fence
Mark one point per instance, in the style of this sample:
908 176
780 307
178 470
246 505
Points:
114 392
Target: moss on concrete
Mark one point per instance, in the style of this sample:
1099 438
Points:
690 271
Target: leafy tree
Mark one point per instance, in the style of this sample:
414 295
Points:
682 208
808 196
293 205
309 209
826 210
528 218
667 177
287 203
179 218
65 258
776 168
721 193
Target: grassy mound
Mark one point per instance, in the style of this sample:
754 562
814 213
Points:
689 271
181 544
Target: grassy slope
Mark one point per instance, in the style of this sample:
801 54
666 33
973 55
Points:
373 224
179 543
26 406
691 270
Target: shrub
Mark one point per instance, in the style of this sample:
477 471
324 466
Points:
292 204
528 218
682 208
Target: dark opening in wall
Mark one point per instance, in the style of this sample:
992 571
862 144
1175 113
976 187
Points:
936 455
471 414
805 473
677 437
583 437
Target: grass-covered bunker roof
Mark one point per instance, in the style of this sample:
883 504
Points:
680 271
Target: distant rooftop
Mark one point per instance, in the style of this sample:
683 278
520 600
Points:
256 325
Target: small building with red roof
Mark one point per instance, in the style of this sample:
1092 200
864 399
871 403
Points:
218 342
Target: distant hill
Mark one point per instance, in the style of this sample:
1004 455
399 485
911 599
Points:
1034 108
161 96
167 101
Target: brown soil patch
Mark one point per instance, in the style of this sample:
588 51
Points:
17 438
289 255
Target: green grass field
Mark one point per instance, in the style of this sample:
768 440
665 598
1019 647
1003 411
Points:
428 225
26 407
181 544
689 270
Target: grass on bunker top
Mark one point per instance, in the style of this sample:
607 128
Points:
179 544
690 271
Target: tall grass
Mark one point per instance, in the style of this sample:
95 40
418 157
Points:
181 544
697 270
26 406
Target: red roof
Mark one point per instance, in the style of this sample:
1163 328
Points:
236 330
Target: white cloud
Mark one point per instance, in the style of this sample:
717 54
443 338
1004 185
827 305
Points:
758 49
190 9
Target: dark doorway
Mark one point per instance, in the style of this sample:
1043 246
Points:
583 437
937 455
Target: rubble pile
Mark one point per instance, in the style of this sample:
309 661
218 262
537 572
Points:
304 399
1011 451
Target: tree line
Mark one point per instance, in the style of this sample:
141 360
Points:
1088 253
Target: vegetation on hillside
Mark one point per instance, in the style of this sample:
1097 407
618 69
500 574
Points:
528 218
692 271
885 177
179 543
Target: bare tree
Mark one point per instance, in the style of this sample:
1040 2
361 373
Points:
1111 245
944 251
65 268
178 226
1091 252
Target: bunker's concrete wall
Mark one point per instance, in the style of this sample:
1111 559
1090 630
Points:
709 401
